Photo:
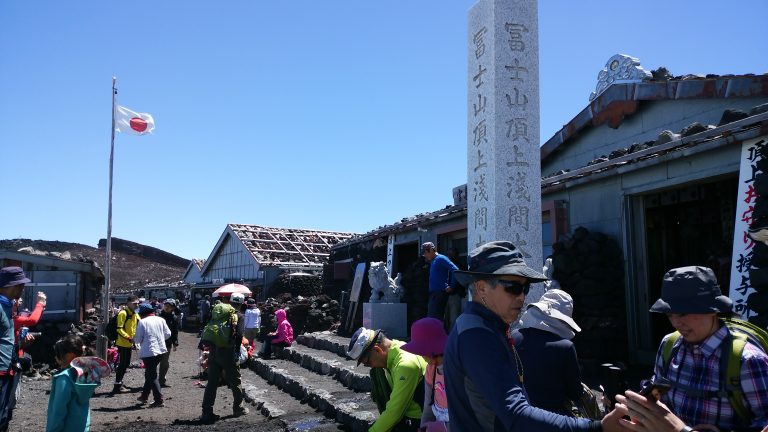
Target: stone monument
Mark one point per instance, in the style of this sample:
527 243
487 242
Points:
384 289
384 310
503 156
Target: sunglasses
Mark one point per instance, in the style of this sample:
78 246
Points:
514 287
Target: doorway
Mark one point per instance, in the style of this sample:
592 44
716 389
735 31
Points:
684 226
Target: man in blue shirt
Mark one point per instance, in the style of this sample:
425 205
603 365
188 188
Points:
441 280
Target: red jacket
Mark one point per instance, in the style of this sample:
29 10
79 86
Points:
27 321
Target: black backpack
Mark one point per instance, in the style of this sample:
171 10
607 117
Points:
110 331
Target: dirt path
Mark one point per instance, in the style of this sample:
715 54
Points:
182 402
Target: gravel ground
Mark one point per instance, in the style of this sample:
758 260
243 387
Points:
182 402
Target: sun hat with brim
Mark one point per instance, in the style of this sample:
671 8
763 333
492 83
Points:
427 338
90 370
497 258
361 342
691 289
12 276
557 304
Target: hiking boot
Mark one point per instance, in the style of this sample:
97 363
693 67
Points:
209 418
142 399
237 412
157 404
118 388
165 385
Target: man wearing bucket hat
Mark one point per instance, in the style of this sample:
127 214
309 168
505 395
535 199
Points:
552 376
482 369
401 387
12 282
692 300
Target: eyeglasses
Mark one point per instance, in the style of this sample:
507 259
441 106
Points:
514 287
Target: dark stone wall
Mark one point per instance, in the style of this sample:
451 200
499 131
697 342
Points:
590 267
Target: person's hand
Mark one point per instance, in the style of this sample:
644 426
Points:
612 422
27 341
42 298
646 415
448 290
174 347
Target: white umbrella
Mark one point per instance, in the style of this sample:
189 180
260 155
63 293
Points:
233 288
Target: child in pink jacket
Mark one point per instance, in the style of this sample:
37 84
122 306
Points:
282 337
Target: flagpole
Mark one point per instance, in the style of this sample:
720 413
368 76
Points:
108 262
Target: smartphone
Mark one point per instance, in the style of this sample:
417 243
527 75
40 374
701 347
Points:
653 389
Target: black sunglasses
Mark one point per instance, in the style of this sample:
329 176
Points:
514 287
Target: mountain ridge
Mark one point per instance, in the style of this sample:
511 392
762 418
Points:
134 265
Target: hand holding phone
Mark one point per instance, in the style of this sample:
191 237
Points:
654 388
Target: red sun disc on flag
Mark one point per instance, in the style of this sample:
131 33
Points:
138 124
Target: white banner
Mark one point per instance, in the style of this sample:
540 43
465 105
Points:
390 254
743 245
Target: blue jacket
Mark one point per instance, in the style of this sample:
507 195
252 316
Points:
69 403
485 393
441 274
7 335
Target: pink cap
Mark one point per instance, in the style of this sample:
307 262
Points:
428 338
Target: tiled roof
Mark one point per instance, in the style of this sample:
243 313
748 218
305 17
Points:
288 246
694 138
409 223
621 100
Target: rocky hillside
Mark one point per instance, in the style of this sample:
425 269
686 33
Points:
133 265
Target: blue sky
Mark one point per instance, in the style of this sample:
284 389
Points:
336 115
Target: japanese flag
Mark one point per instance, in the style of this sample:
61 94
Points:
127 121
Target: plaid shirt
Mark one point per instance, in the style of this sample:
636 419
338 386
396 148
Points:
698 366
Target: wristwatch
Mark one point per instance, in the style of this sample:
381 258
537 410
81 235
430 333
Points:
687 429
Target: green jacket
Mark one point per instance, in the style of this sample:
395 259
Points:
69 403
404 374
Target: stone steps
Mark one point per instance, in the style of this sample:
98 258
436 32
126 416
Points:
325 341
328 363
353 409
273 403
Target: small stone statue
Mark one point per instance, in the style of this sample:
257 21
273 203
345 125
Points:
383 288
549 271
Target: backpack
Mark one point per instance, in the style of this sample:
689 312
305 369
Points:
741 332
220 328
110 331
586 406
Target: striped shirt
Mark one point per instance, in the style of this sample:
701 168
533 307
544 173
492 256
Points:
698 366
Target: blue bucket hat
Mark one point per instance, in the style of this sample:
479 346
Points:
11 276
497 258
693 290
